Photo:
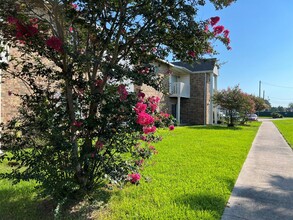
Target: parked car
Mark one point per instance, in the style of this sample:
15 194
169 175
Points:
252 117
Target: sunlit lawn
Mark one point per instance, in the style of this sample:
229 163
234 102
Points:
285 126
19 201
191 178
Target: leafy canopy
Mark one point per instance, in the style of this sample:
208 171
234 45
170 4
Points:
80 127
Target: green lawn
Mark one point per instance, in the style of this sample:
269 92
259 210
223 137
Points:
191 178
285 126
19 201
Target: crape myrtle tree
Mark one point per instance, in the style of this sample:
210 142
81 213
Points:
235 102
260 103
79 126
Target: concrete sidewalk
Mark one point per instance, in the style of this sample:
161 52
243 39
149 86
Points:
264 188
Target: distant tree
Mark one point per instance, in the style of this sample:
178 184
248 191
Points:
269 106
259 103
290 106
235 102
248 107
274 109
280 109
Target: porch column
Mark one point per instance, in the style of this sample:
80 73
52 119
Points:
215 90
211 107
178 110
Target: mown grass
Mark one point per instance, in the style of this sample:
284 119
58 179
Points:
19 201
191 178
285 126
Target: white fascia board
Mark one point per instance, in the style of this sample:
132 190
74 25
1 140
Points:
174 67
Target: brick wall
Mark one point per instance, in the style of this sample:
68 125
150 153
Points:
193 109
10 103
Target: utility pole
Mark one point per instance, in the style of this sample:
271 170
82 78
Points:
263 95
259 91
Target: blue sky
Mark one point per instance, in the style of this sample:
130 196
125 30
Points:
261 33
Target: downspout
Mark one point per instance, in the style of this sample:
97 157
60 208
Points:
205 99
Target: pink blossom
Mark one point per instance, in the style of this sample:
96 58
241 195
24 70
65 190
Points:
34 20
152 148
77 124
12 20
218 29
99 83
143 138
139 162
99 144
144 119
74 6
140 95
145 70
148 130
140 107
134 177
165 115
122 92
191 53
153 107
71 29
171 127
24 31
215 20
154 99
226 33
206 28
55 43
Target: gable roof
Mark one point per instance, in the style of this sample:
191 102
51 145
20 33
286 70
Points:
199 65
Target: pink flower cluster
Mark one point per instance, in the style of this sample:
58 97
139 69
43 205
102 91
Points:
99 144
143 118
217 30
24 31
191 53
153 103
55 43
77 124
122 92
151 129
144 70
134 178
140 107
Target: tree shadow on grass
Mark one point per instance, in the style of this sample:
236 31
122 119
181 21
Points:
203 202
20 202
214 127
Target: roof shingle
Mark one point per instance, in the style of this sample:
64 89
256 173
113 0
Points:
199 65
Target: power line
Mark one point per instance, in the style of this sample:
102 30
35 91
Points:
270 84
280 99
